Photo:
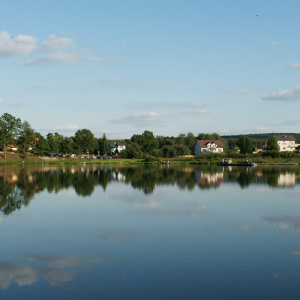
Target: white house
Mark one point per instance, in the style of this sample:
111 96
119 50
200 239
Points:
116 146
286 142
214 146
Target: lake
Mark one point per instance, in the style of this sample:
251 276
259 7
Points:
149 232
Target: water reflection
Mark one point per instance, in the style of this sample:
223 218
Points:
18 185
53 269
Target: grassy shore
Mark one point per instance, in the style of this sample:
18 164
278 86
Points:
15 158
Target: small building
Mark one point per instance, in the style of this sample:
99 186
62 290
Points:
286 142
214 146
113 147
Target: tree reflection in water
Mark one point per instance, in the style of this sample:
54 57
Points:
18 185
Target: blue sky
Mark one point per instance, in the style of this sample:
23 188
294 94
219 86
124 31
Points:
171 67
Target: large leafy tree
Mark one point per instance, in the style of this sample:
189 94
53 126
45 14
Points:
245 144
41 146
84 141
9 130
272 144
26 137
190 142
146 141
53 143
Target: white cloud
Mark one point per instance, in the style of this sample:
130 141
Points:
264 129
55 58
20 45
68 127
54 43
294 65
275 43
244 91
1 101
197 112
141 119
224 131
193 104
54 50
284 95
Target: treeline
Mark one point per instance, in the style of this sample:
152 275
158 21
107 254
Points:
20 134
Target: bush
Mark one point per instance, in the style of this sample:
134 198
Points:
150 158
271 153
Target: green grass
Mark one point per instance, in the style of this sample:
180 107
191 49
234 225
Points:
14 158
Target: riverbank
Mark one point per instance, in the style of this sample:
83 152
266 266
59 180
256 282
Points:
15 158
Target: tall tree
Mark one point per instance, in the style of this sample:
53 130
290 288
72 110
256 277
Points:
41 146
52 143
103 145
84 141
26 137
272 144
190 142
245 144
9 130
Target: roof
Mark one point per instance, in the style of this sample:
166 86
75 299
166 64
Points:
115 145
285 137
204 143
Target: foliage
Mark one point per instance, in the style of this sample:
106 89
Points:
9 130
103 145
146 141
84 141
26 137
245 144
272 144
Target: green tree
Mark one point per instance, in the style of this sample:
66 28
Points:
190 142
245 144
26 137
53 145
146 141
272 144
84 141
41 146
66 145
103 145
9 130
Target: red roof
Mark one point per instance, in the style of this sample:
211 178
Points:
204 143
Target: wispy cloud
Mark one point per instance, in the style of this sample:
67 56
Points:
165 104
192 104
275 43
52 51
291 122
244 91
283 95
294 65
66 128
141 119
54 43
114 82
1 101
197 112
55 58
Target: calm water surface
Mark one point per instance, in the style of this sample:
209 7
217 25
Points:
90 232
